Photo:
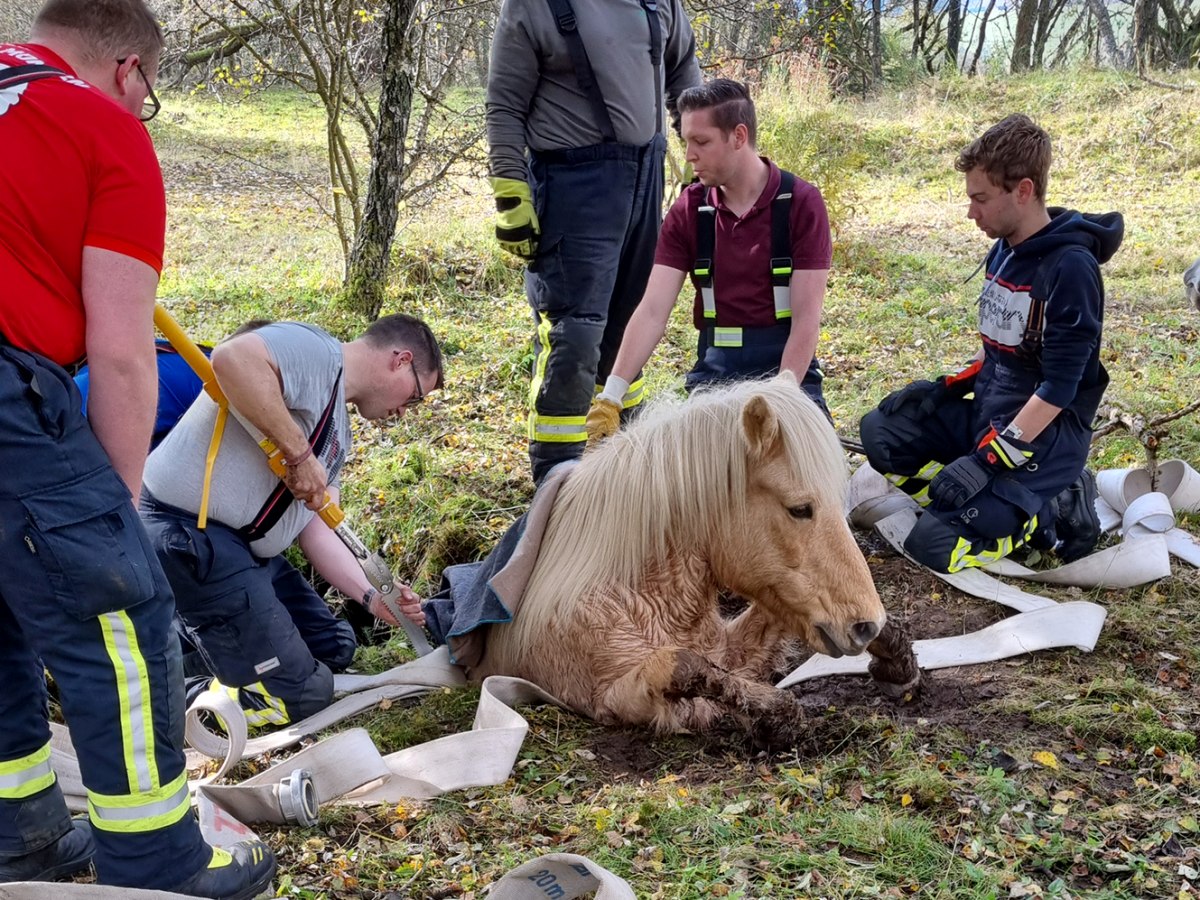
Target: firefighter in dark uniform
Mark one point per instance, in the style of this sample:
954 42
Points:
82 225
580 85
996 453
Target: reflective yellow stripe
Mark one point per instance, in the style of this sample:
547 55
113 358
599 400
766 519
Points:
141 811
727 337
708 300
133 698
25 776
542 357
929 470
783 298
557 429
275 712
634 395
961 556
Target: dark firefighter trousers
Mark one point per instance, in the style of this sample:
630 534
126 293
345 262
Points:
600 208
909 449
757 355
84 597
269 639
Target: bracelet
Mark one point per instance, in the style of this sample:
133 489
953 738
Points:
370 595
292 463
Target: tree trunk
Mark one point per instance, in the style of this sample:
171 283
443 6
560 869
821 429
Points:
954 26
876 40
1023 38
1108 40
366 274
983 20
1145 20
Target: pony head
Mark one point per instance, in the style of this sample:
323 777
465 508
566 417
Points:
749 477
789 549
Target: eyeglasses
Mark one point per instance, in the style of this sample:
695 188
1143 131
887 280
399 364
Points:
151 105
419 396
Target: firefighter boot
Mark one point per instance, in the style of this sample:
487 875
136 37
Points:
240 872
1077 524
55 846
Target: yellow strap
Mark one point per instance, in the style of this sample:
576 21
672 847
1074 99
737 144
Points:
213 446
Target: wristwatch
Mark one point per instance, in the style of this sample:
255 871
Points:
368 597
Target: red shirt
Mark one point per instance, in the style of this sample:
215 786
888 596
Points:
742 258
76 170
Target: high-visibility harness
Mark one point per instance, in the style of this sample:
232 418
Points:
781 259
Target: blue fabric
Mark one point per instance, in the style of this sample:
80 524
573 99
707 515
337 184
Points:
73 549
252 620
465 600
906 441
758 357
599 208
178 387
1060 266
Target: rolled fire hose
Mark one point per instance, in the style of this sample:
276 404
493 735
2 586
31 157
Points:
373 564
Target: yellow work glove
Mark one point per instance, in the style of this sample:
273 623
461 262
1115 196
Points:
603 419
517 227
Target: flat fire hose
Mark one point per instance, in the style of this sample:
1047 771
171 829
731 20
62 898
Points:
373 564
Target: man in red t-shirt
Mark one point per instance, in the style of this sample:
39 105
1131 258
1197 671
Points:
753 319
82 221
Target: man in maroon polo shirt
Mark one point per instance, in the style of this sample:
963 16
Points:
756 243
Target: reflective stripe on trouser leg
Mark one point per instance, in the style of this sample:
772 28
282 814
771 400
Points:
916 486
143 810
967 554
25 776
258 704
632 397
149 805
552 429
635 394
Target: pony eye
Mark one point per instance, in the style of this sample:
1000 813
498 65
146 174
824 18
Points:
803 511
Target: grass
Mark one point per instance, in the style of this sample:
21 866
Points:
1057 775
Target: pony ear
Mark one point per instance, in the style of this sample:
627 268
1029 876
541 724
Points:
761 426
789 376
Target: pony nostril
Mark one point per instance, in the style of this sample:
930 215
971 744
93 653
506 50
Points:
864 632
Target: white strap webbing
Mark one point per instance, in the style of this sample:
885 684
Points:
348 768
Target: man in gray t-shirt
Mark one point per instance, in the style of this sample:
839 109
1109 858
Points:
575 98
260 628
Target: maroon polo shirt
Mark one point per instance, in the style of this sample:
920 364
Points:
742 258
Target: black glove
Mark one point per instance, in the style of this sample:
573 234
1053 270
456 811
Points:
962 479
932 394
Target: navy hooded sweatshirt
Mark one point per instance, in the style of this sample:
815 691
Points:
1040 317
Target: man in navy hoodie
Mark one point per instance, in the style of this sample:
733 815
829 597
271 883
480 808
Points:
996 452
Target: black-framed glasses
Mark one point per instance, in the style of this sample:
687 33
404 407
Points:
151 105
419 396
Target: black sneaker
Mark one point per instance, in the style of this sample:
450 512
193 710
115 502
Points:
240 872
1077 525
70 855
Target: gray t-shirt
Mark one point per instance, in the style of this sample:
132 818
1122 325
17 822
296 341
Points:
533 96
310 366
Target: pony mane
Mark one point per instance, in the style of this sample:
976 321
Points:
667 483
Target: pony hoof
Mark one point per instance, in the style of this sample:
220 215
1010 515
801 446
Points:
780 728
897 690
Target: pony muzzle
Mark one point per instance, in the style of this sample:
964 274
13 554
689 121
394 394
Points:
858 636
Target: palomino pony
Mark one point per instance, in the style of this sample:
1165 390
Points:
739 489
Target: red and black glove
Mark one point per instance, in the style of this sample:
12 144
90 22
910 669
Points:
997 452
932 394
